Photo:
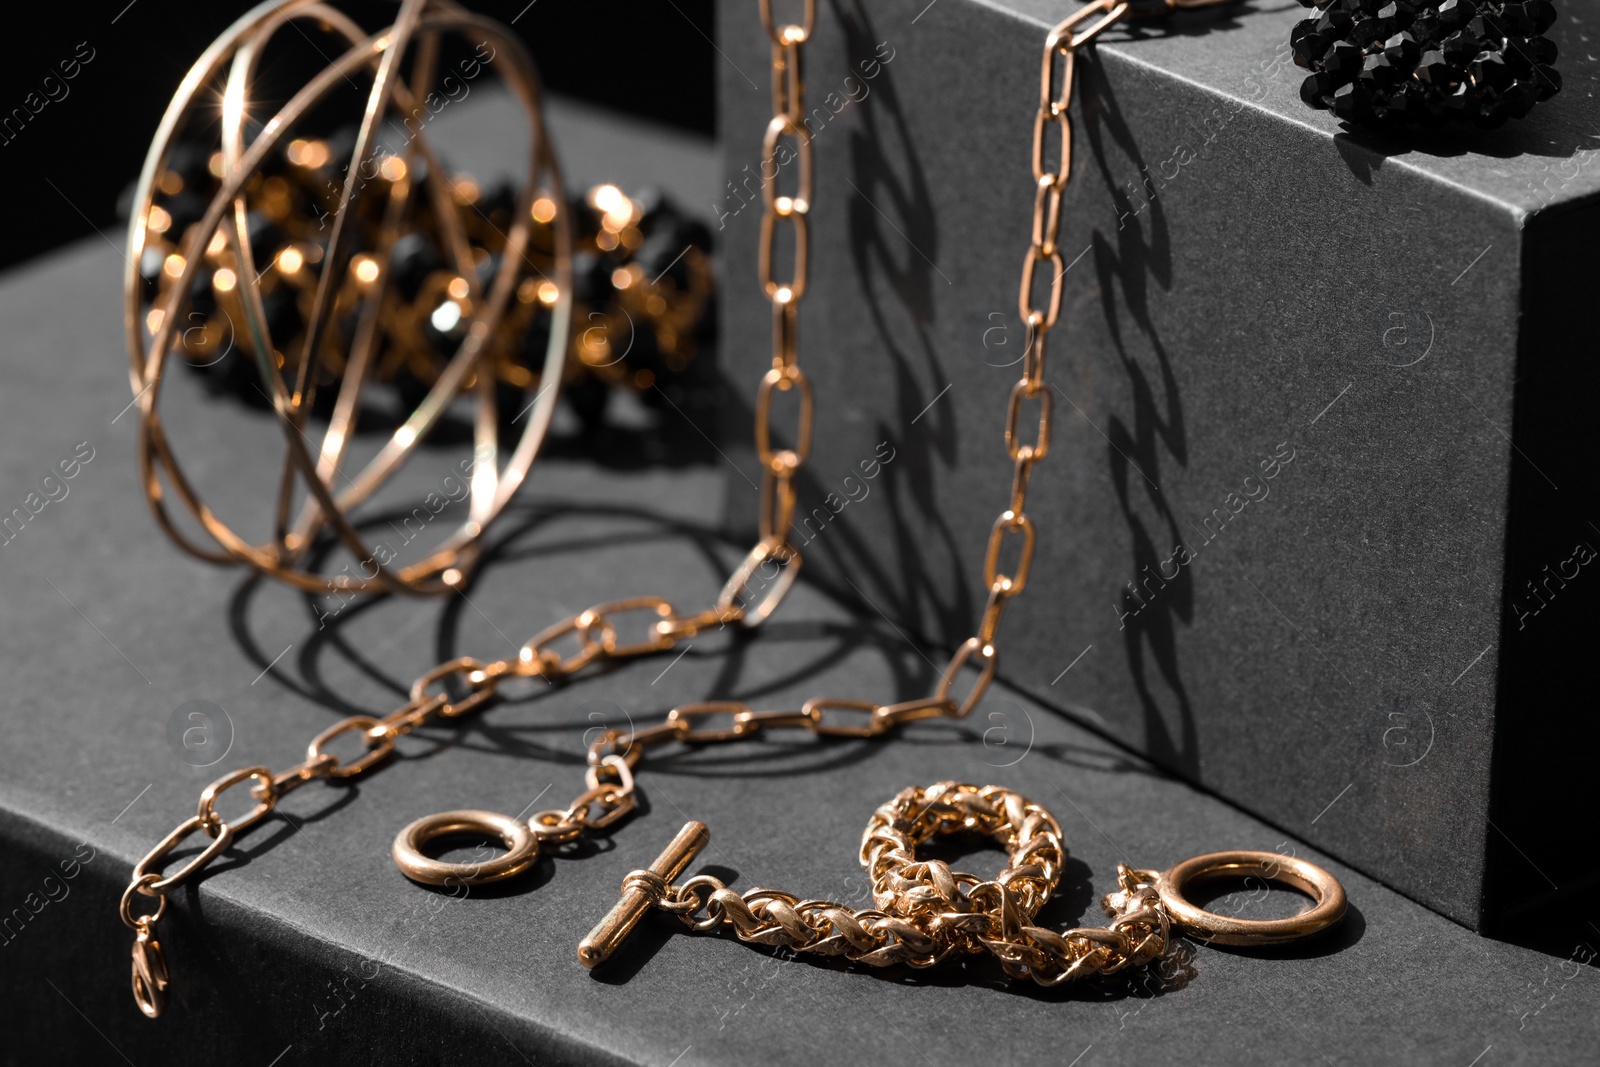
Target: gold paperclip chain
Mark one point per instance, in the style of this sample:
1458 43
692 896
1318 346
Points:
766 573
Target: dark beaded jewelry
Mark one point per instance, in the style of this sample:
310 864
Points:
1404 63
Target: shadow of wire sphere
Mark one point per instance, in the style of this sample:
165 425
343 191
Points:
190 257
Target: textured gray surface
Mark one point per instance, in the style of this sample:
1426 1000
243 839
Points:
107 630
1243 276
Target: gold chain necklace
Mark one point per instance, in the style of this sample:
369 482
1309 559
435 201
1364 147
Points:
925 911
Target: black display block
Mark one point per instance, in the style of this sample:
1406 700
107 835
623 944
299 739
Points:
1316 528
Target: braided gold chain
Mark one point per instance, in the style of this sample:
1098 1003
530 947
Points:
926 912
751 593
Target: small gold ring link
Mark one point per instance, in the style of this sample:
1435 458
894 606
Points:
140 885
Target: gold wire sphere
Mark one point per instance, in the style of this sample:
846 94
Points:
330 492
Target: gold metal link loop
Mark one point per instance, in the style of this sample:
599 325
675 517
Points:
777 501
783 205
1051 98
1066 34
406 719
742 592
783 380
658 639
1009 522
683 716
536 657
613 765
1034 354
786 291
787 87
379 740
989 655
1047 196
690 625
221 837
265 794
775 720
301 773
1061 173
818 708
1019 481
994 609
479 680
1058 270
1040 446
785 322
894 715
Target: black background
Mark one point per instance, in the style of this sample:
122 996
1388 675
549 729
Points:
63 171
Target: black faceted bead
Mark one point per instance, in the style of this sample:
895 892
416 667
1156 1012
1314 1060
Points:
1334 24
1433 70
1315 90
1352 102
1460 49
1402 50
1309 47
1343 61
1398 12
1378 71
1372 31
1489 70
1457 13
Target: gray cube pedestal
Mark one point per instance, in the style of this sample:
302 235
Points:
1316 523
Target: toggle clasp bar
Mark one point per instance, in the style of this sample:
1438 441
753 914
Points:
641 891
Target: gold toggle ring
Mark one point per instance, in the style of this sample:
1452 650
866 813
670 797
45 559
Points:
1323 888
522 848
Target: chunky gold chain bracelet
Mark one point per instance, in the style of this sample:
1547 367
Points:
925 911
